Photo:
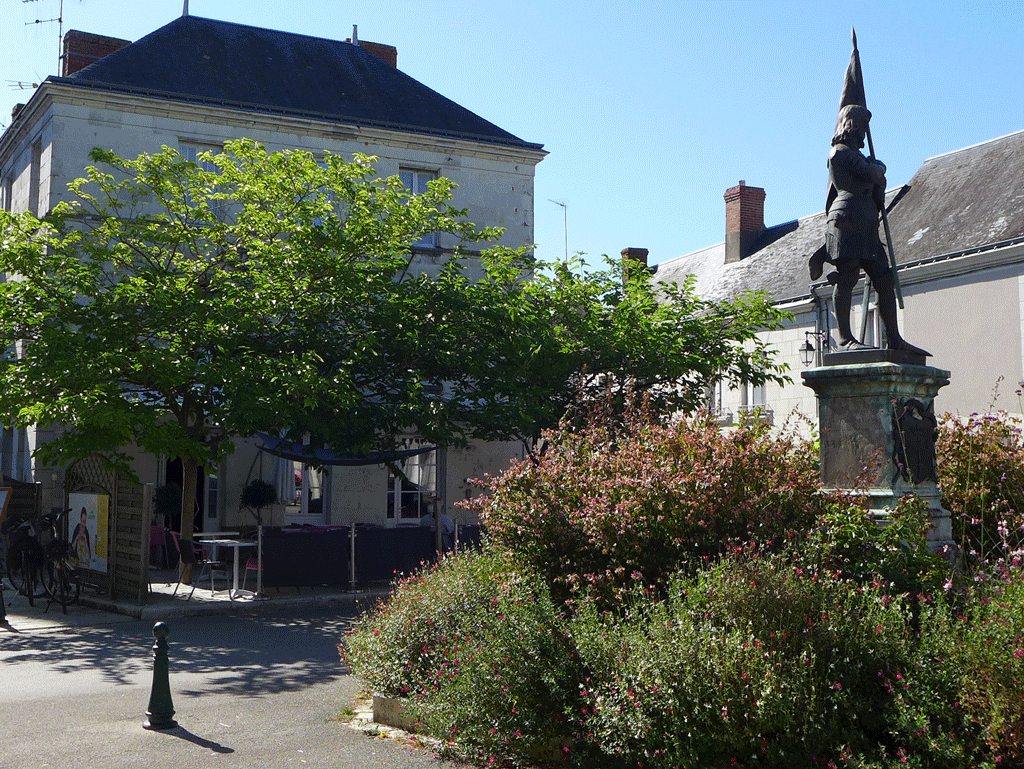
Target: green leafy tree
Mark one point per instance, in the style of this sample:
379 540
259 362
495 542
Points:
174 306
557 337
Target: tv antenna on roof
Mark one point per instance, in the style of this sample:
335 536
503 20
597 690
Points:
60 26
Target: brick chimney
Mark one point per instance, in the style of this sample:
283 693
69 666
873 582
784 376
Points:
633 259
744 220
386 53
83 48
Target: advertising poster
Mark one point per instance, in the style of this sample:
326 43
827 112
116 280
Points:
88 523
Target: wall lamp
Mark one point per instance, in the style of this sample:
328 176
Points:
808 350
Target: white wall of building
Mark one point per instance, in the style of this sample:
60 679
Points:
968 314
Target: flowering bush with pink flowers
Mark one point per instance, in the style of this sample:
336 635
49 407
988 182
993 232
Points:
481 654
662 595
989 650
762 662
981 472
611 504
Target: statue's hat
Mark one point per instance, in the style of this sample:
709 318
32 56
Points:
853 83
853 89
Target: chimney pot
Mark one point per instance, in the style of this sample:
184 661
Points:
744 220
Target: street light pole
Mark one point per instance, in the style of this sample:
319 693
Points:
565 213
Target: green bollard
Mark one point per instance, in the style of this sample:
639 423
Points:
161 709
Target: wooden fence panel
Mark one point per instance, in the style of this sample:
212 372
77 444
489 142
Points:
25 499
129 570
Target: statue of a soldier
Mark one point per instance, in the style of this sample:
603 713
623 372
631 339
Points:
856 199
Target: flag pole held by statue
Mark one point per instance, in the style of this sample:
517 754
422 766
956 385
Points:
853 93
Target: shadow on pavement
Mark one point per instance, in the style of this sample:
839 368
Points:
185 734
251 655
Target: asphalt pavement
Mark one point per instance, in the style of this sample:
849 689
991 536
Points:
258 687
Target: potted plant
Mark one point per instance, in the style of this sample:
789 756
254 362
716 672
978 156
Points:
258 494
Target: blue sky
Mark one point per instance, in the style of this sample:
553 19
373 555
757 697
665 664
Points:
649 110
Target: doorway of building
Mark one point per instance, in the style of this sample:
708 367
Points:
173 474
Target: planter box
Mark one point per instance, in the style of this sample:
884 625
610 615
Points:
392 711
305 557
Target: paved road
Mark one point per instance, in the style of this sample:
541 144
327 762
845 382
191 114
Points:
253 691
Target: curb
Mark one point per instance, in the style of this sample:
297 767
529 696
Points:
214 608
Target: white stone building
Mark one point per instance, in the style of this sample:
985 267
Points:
194 84
958 234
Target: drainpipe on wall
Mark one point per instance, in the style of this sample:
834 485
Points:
442 495
822 331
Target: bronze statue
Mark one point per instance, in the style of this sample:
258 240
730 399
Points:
856 199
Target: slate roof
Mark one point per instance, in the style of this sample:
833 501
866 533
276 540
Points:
778 266
962 200
203 61
967 200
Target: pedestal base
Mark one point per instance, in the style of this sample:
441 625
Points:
877 429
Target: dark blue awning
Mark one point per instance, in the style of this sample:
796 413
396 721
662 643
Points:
299 453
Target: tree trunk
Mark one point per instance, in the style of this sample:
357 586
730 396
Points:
189 480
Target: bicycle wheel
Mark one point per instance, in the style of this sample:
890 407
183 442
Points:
74 585
28 576
61 582
14 573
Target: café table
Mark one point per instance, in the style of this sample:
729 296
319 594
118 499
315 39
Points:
237 544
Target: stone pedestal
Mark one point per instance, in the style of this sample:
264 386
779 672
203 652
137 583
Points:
877 428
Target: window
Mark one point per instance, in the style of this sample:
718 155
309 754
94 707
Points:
753 396
413 497
190 151
212 508
717 405
874 329
758 395
7 449
416 183
15 461
754 404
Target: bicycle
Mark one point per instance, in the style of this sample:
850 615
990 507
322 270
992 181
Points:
60 575
25 558
40 561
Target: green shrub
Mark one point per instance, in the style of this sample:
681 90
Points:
981 472
612 504
989 650
849 544
819 639
760 662
479 649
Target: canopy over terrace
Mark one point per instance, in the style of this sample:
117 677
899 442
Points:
412 486
299 453
381 551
